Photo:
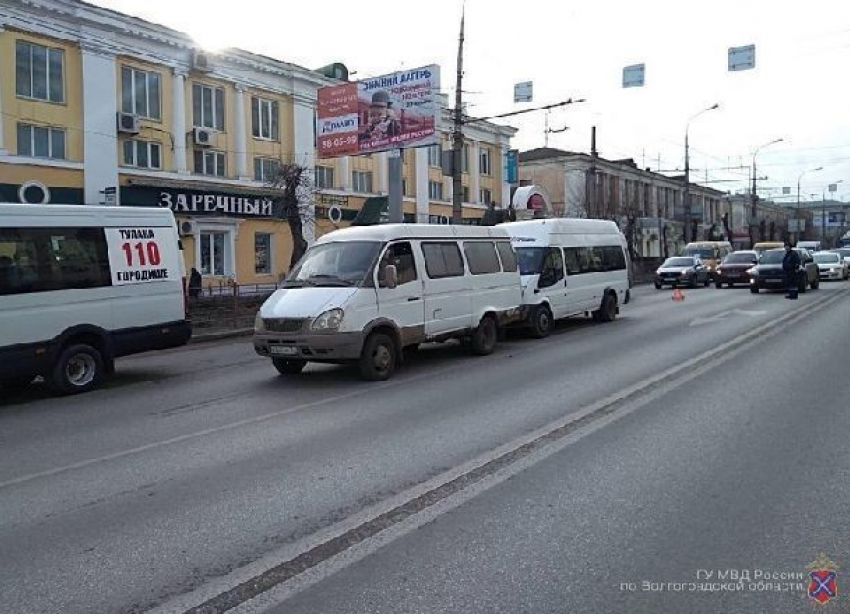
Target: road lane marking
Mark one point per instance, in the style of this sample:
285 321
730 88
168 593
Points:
292 564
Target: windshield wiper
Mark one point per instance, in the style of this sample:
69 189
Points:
298 283
333 280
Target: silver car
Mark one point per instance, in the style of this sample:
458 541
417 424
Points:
682 271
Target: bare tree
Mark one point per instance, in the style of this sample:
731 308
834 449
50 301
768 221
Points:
294 184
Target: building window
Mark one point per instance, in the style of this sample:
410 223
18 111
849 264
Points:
140 93
262 253
485 195
209 163
465 193
38 72
485 161
362 181
143 154
41 142
264 119
324 177
208 106
434 153
435 190
464 163
265 169
213 246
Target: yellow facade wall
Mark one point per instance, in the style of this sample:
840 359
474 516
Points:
49 176
67 114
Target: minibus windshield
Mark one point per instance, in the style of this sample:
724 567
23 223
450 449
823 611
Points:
343 263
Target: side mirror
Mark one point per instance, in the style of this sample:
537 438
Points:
391 276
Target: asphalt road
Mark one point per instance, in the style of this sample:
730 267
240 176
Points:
197 470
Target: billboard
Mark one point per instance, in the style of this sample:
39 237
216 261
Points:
389 112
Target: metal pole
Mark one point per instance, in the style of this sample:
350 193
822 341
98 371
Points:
687 194
457 136
396 198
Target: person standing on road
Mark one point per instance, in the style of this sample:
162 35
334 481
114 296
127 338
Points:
791 267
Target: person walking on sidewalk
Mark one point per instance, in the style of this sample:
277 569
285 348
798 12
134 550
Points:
791 267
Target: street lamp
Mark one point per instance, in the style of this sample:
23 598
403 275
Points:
799 179
754 194
823 211
688 172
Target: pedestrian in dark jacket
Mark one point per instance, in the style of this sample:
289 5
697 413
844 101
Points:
791 267
195 283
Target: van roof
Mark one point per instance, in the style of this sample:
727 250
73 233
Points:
81 215
560 226
388 232
706 243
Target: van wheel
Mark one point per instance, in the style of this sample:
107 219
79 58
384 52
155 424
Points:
484 337
607 310
286 366
79 368
801 288
378 358
816 284
657 286
541 322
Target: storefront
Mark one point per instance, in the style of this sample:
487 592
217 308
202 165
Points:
234 236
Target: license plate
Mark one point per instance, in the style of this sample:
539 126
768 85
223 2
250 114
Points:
283 350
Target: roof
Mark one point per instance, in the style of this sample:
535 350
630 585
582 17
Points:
545 153
561 226
389 232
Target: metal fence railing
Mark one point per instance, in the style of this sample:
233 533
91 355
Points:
227 306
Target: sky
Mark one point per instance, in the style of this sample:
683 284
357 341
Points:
799 90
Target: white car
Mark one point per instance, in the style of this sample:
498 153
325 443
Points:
844 252
831 265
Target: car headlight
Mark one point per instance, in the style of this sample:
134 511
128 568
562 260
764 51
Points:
259 325
752 272
328 321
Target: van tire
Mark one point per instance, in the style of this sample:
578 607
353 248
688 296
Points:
286 366
657 286
815 284
378 358
79 368
541 322
484 337
607 311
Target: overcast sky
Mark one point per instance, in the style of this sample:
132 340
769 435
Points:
799 90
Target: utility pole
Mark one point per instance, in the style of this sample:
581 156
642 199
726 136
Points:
592 208
457 136
687 193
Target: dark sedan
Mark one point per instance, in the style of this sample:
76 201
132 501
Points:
733 269
768 274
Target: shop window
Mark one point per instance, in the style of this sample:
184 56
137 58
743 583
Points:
362 181
265 117
39 72
209 163
41 142
140 92
265 169
262 253
324 177
142 154
208 106
214 248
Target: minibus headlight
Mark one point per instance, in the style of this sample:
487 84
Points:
328 321
259 325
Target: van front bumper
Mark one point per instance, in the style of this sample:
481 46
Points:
329 347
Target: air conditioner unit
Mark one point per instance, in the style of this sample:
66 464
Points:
203 137
187 228
201 62
128 123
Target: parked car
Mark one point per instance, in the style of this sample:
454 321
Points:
831 265
733 269
812 246
768 273
570 267
362 295
682 271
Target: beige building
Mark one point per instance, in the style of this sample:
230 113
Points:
99 107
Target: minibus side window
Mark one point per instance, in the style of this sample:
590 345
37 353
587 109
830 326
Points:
571 260
400 255
506 253
553 268
481 257
442 259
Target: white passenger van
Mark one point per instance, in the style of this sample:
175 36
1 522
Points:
570 267
81 286
363 294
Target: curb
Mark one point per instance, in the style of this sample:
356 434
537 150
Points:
218 335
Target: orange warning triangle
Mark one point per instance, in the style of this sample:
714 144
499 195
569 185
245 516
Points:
678 295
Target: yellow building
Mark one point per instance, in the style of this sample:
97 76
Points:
98 107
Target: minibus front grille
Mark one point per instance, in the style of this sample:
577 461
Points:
284 325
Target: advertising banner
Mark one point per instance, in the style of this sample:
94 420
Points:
393 111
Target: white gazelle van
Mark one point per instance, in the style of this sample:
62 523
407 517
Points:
364 294
83 285
570 267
